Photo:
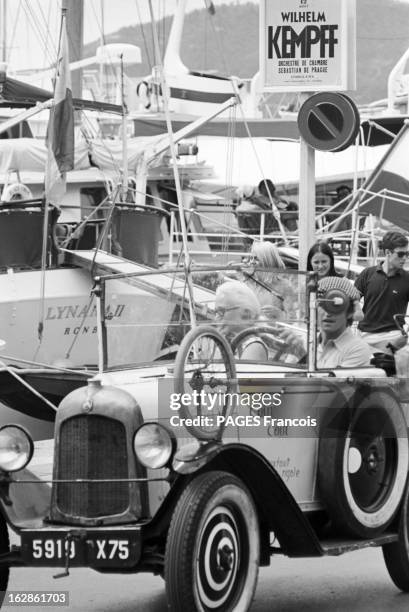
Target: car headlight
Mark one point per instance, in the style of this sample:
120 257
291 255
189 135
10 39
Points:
154 445
16 448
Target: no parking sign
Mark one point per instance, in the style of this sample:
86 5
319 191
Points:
329 121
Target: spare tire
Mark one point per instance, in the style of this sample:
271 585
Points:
363 464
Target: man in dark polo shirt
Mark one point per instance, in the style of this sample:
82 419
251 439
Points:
385 289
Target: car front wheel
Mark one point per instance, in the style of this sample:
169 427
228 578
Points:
212 551
396 555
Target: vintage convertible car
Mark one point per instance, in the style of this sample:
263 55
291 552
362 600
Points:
199 465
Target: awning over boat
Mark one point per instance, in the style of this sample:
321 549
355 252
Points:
274 129
21 94
18 94
390 180
109 154
381 130
30 155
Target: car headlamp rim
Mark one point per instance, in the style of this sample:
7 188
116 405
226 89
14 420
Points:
171 439
30 446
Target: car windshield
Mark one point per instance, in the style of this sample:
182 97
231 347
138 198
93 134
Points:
147 316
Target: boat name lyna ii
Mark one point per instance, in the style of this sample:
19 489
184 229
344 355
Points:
79 311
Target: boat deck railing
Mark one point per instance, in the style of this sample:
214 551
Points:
215 234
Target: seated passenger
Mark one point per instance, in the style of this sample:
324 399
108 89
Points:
344 195
254 202
276 295
320 259
248 213
338 347
237 308
288 210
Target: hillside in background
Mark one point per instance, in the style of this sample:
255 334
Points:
227 43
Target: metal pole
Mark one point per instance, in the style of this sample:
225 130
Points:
171 232
124 135
102 43
4 31
166 95
306 227
99 292
312 330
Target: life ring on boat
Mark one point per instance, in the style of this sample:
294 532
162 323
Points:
363 463
144 91
16 191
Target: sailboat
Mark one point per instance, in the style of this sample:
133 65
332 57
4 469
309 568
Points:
47 308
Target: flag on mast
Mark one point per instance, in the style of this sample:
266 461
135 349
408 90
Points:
60 133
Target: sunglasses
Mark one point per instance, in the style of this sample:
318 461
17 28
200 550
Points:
251 259
402 253
220 311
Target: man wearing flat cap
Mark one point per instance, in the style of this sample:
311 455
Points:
385 289
337 346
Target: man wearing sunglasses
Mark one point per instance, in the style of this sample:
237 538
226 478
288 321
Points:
385 289
238 308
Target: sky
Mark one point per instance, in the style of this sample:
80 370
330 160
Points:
33 25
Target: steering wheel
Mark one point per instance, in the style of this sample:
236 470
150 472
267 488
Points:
268 333
205 364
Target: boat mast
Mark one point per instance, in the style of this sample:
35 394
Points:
75 29
124 190
102 43
4 31
166 95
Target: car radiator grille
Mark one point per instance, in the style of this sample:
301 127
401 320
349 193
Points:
92 447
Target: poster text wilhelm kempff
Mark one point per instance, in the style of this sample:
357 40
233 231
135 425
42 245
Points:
303 49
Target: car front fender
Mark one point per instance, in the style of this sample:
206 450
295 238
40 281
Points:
277 509
24 499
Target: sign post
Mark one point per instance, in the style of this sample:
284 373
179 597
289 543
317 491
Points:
307 46
306 208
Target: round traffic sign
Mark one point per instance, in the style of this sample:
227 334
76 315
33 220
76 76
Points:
329 121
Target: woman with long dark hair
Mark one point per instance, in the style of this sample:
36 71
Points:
320 259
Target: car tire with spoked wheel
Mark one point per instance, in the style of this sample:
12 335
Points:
213 546
363 465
